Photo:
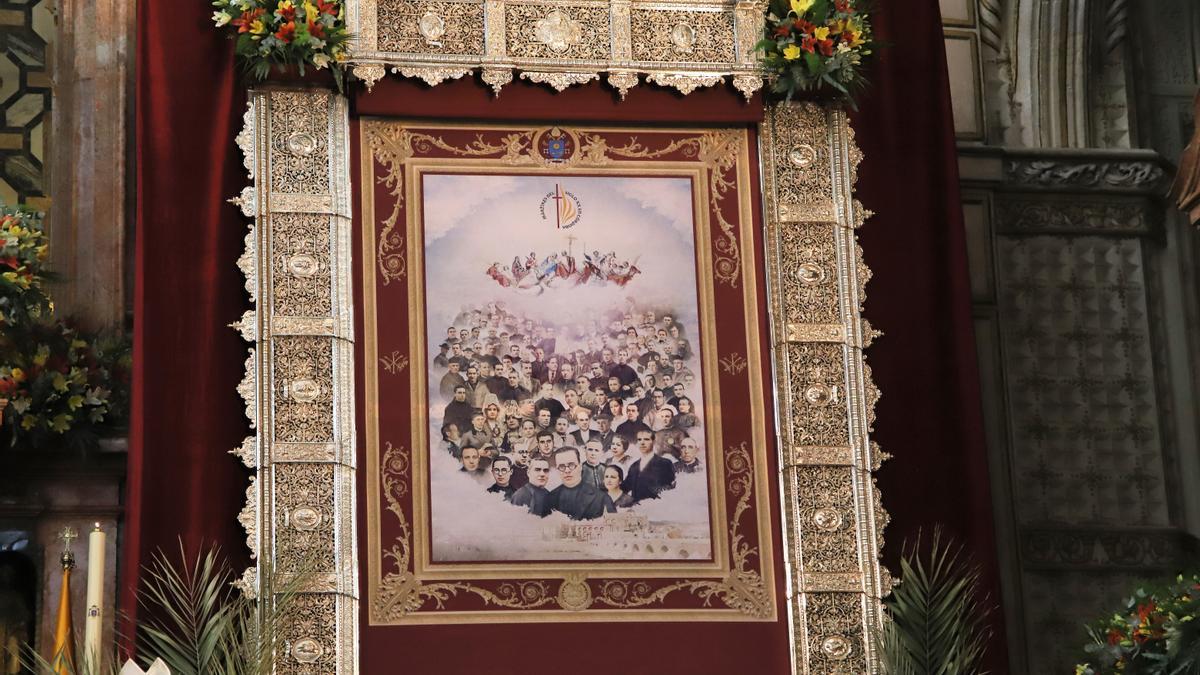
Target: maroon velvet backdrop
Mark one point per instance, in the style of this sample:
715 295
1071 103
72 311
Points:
186 416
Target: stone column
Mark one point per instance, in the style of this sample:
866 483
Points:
91 159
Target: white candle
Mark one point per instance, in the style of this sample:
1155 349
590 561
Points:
95 599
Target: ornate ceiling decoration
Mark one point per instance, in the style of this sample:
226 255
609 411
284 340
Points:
561 43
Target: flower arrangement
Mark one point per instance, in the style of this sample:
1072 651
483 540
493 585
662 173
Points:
815 45
60 384
285 33
57 384
22 258
1155 632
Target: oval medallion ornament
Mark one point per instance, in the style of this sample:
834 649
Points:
827 520
574 594
819 394
558 31
810 273
432 27
836 647
303 265
305 390
307 650
802 156
305 518
683 36
302 144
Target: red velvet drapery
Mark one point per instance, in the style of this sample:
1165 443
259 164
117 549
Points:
186 414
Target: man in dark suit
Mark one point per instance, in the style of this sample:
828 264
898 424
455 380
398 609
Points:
578 499
651 474
534 496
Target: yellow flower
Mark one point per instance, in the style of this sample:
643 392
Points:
258 27
801 6
791 52
60 382
28 422
74 402
821 33
856 38
310 10
18 375
43 353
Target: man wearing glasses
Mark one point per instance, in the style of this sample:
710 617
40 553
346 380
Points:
577 499
502 472
534 496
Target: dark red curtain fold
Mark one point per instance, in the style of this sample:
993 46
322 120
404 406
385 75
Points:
186 414
183 484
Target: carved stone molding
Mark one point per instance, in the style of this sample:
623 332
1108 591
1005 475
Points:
1132 171
1140 549
1076 214
684 45
833 518
298 386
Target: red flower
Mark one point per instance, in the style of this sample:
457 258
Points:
7 386
1144 611
11 261
330 8
803 26
1114 636
243 22
843 6
808 44
315 29
826 47
287 13
783 29
286 32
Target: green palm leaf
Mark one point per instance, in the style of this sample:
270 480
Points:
936 624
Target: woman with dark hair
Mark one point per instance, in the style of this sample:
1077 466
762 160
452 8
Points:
615 408
686 419
614 497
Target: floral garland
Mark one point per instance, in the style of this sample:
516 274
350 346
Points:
22 258
815 45
1156 632
58 385
283 33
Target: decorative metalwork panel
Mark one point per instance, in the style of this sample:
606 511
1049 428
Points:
299 374
833 519
560 42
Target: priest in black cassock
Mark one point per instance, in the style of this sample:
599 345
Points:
650 474
502 472
577 499
534 495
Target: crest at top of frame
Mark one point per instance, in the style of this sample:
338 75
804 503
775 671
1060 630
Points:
684 45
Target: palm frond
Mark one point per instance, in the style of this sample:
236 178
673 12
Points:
199 624
936 623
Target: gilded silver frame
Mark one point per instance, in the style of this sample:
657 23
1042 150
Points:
672 43
299 384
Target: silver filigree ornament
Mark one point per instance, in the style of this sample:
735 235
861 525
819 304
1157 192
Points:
820 394
827 519
802 156
810 273
307 650
432 27
836 647
301 144
303 265
683 36
305 518
558 31
305 390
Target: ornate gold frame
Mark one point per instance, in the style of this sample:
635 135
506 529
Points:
299 378
561 43
739 581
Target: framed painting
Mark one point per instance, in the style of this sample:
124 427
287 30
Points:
561 370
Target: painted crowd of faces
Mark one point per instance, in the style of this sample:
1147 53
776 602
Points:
618 390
